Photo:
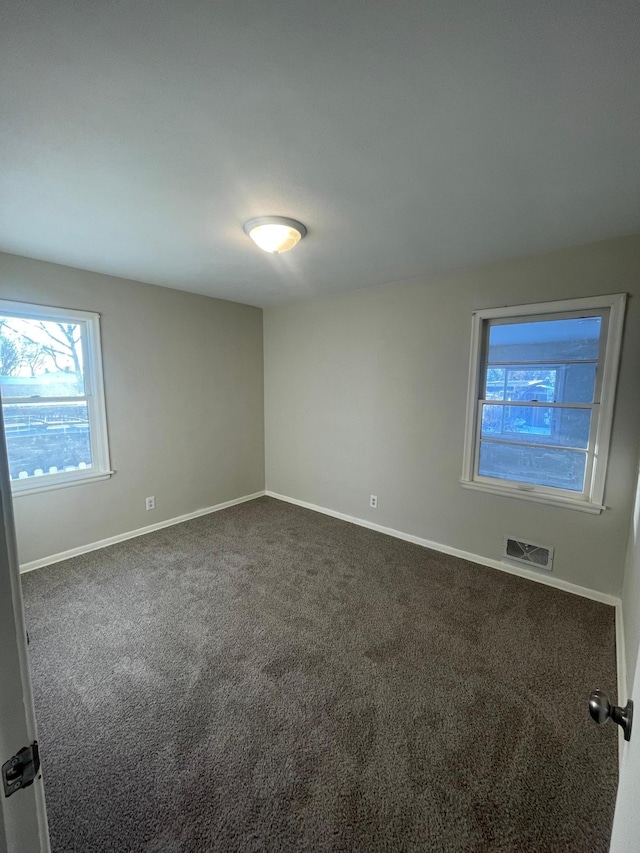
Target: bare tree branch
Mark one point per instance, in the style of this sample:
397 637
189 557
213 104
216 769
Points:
65 348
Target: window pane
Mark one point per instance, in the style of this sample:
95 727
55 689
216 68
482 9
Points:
539 385
494 387
562 383
41 437
537 425
521 384
545 340
562 469
40 358
578 384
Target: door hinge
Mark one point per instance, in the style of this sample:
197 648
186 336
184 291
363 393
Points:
20 770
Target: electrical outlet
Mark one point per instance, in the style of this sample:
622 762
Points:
150 503
373 501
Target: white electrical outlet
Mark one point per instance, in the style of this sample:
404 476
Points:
373 501
150 503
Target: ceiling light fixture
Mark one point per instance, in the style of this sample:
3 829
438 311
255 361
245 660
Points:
275 234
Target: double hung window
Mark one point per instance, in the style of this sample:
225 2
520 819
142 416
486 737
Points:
540 404
52 396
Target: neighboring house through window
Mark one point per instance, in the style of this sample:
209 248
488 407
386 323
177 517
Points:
540 406
52 396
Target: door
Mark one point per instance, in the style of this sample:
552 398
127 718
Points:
23 821
625 837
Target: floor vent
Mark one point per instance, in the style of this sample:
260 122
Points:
528 554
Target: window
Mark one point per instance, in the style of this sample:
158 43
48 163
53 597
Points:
52 397
541 390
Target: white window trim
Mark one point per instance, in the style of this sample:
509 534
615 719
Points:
592 502
94 393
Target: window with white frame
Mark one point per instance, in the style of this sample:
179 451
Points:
52 396
542 382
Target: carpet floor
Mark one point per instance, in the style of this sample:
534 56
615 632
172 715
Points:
270 679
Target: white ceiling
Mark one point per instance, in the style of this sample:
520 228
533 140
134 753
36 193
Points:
411 137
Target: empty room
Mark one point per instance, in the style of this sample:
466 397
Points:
320 385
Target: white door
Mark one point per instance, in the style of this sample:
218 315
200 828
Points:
625 837
23 820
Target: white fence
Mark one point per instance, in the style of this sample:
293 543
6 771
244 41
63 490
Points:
39 472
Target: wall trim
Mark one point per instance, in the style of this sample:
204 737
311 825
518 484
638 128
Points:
566 586
131 534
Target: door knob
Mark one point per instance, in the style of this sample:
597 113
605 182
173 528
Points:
602 710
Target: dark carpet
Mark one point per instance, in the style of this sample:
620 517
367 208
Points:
270 679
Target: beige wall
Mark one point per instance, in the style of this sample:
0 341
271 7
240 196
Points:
184 394
365 393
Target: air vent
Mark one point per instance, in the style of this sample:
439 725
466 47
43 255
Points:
529 554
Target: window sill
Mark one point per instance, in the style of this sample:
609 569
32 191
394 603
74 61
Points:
536 497
30 488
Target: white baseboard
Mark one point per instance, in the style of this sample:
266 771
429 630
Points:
548 580
131 534
585 592
566 586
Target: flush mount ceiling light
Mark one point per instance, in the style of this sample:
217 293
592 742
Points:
275 234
